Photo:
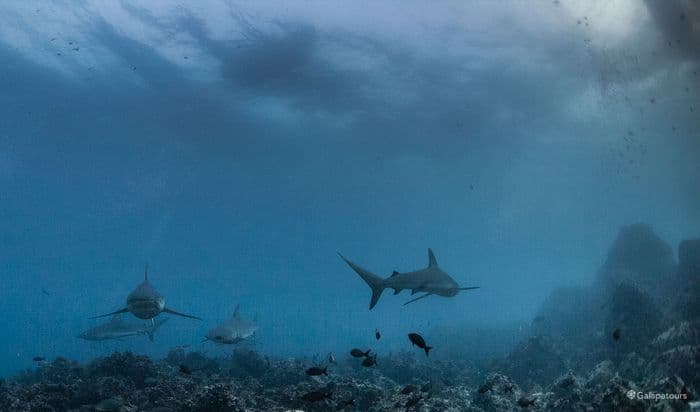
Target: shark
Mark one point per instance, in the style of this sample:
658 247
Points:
431 280
145 302
232 331
118 328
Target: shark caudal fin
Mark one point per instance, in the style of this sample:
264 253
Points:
375 282
155 327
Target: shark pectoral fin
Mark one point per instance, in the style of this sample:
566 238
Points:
110 314
469 288
418 298
172 312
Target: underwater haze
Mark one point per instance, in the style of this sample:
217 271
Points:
237 147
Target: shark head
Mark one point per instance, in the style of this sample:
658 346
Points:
145 302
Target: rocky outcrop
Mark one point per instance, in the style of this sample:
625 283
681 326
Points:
535 362
638 256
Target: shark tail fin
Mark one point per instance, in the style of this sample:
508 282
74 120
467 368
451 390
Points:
373 281
152 329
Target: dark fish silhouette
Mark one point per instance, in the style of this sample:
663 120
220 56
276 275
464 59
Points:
616 334
377 334
418 340
369 361
315 396
38 359
316 371
184 369
45 292
408 389
357 353
525 402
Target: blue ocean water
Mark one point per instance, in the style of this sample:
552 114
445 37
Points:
235 148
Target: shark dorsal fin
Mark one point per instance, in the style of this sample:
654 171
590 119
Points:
431 259
145 273
394 273
237 313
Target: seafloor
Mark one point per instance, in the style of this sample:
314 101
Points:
628 342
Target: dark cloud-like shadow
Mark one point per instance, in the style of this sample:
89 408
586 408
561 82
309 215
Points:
679 22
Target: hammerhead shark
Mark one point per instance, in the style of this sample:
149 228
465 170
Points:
232 331
145 302
431 280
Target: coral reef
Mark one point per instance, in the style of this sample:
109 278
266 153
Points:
614 345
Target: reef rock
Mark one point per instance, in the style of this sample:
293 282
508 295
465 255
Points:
640 257
535 361
497 393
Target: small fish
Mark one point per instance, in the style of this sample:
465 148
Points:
331 358
184 369
315 396
369 361
377 334
408 389
413 402
616 334
525 402
316 371
344 404
357 353
38 359
417 340
45 292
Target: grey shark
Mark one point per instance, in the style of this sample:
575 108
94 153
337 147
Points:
431 280
232 331
145 302
118 328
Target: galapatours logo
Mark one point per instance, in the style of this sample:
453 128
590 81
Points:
632 394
